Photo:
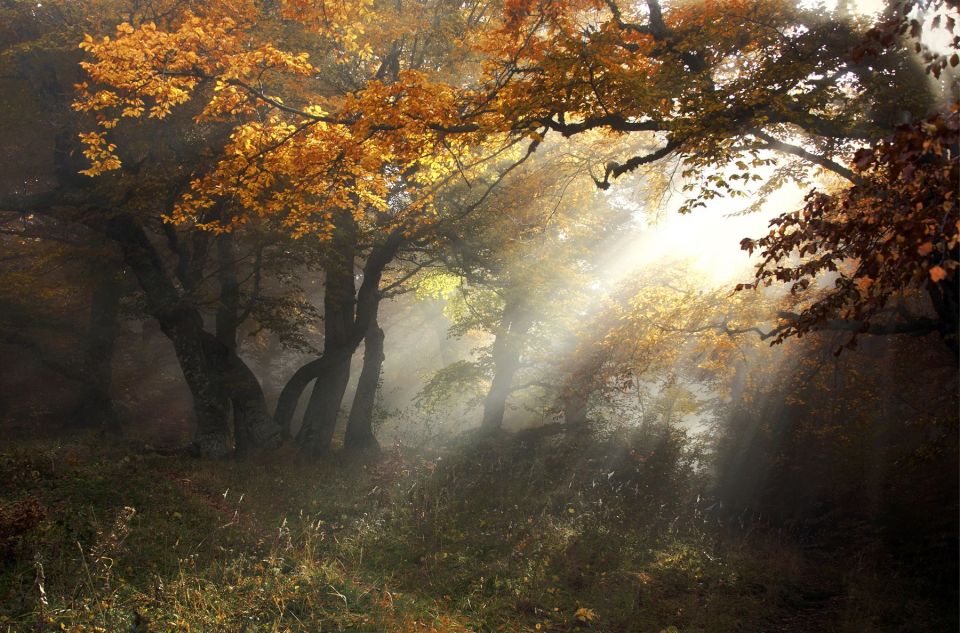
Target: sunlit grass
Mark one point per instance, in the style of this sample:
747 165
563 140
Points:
543 534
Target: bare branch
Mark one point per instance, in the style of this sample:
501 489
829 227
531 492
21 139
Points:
796 150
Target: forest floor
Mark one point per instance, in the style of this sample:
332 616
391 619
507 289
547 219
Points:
550 534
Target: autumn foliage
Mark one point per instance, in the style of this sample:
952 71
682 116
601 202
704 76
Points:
897 229
564 417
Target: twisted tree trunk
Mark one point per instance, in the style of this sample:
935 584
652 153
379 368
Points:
332 370
214 373
253 426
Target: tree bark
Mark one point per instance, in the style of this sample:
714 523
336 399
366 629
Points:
359 435
945 297
323 409
183 325
228 308
210 404
254 427
290 394
324 369
506 363
96 405
339 306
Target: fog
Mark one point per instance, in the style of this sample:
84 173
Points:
434 316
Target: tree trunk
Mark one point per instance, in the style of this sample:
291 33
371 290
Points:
292 390
323 409
329 367
183 325
96 406
359 435
495 404
574 401
945 297
339 305
581 382
254 427
506 363
210 403
228 308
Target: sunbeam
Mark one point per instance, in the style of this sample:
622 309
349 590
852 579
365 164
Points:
463 316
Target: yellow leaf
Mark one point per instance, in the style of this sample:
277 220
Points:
585 615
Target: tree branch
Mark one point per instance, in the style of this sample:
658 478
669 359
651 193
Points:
780 146
64 369
916 327
615 170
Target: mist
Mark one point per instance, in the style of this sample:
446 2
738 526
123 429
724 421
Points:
433 316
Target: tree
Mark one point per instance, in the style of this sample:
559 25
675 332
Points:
370 153
127 211
90 285
717 83
523 264
893 233
79 349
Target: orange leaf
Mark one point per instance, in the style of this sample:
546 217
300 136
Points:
937 273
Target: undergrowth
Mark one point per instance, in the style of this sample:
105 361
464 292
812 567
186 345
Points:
554 533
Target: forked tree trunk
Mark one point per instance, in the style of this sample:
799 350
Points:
217 377
359 435
349 326
253 426
183 325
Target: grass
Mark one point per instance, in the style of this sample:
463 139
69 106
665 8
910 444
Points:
549 534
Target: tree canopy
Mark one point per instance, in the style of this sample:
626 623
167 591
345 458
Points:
219 148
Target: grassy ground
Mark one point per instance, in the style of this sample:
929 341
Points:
546 534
